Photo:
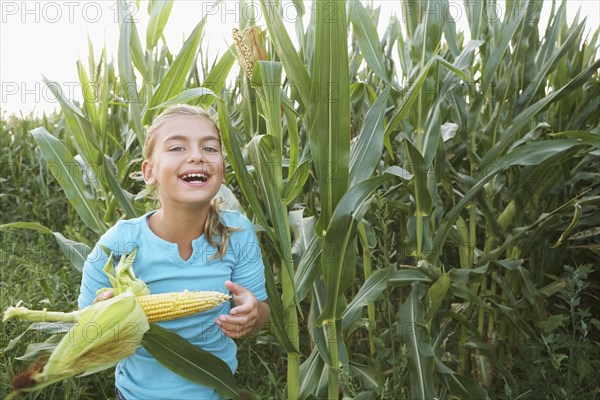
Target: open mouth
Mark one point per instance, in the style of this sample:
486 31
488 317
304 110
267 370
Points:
194 177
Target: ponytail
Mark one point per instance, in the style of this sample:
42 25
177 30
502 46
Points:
217 233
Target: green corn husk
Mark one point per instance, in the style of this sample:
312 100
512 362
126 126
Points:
100 335
122 278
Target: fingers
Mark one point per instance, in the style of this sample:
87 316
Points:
236 332
236 327
244 299
244 307
103 296
235 289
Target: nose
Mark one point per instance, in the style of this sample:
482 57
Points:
196 155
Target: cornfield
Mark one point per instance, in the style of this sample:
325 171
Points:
427 205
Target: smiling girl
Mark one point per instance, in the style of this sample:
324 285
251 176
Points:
187 244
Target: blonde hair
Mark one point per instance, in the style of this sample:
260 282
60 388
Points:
217 233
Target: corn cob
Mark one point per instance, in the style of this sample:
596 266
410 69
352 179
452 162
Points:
168 306
249 46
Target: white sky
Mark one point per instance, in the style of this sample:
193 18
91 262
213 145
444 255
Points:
48 37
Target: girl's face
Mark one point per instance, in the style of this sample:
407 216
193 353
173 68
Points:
186 163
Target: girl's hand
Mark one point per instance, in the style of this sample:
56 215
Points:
248 316
103 296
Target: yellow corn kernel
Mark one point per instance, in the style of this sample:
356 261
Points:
168 306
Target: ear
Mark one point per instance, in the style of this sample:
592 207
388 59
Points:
147 172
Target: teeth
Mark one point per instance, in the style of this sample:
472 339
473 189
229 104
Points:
189 176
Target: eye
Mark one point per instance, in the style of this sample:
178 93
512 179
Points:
210 149
176 148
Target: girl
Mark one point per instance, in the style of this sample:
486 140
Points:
187 244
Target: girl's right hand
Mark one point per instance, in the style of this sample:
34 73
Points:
103 296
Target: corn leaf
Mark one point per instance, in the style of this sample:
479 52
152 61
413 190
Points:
243 177
174 80
308 268
267 77
76 252
126 73
404 277
369 292
329 127
188 96
277 322
295 68
312 375
292 131
323 339
366 153
567 232
366 375
433 133
159 11
189 361
524 117
410 94
81 128
68 174
137 54
417 164
368 42
547 66
591 138
292 187
460 385
263 155
89 97
123 197
215 80
436 295
412 330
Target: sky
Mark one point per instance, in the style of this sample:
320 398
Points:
48 37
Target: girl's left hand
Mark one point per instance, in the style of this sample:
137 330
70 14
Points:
241 319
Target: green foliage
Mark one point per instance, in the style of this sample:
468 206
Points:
566 347
446 193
